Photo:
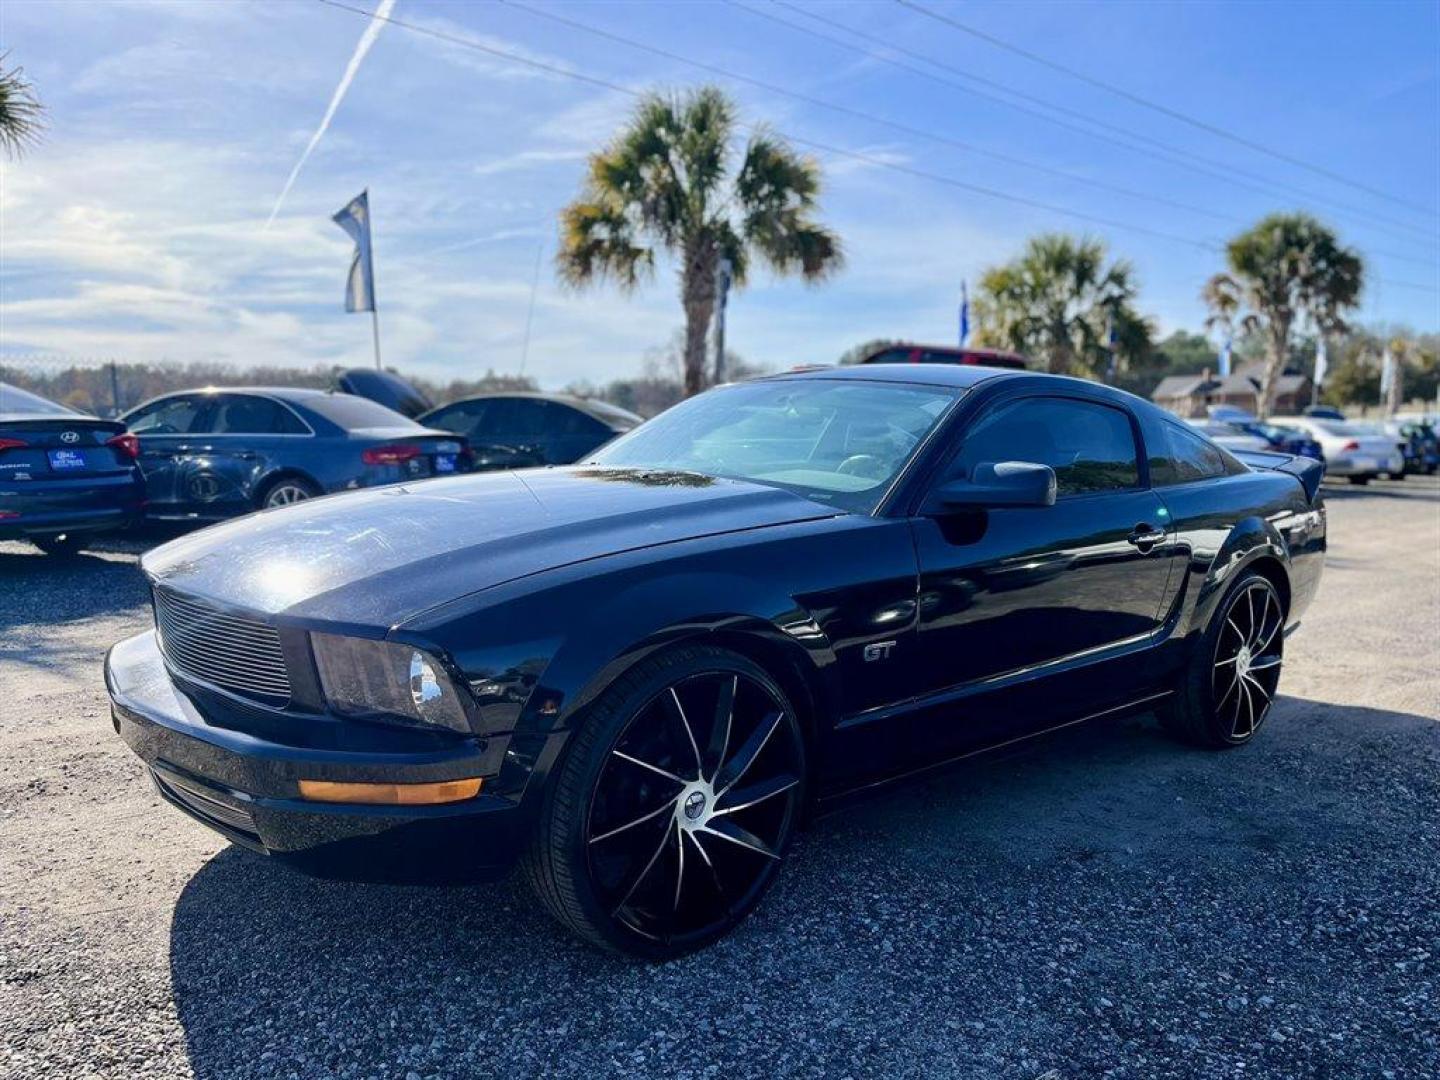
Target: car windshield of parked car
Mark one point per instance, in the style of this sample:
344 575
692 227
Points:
840 442
351 412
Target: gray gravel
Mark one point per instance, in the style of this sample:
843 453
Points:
1106 904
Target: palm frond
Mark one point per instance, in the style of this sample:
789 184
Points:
22 117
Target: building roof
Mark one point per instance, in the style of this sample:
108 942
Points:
1175 386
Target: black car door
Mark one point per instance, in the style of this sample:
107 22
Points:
1026 596
164 429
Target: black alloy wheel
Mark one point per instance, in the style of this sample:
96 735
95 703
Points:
1248 654
1230 685
693 777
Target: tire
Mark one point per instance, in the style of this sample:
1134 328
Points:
1213 707
285 491
61 545
627 866
1361 479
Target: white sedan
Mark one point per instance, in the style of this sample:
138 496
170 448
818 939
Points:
1228 436
1355 450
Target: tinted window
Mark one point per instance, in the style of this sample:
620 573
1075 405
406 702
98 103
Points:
170 416
565 420
350 412
1189 457
515 419
464 417
1090 447
241 414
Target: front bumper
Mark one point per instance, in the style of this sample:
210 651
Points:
247 788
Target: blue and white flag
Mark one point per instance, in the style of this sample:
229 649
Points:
964 314
360 284
1224 367
1322 361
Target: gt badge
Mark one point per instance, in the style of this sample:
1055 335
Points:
880 650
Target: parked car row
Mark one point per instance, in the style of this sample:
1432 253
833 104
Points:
207 455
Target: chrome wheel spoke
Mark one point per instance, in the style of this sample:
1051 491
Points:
728 830
644 871
1255 685
646 765
746 797
709 865
678 711
745 756
669 805
1265 662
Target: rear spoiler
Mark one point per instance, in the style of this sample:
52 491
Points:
1307 470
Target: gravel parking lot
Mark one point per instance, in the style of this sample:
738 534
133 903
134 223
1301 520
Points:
1104 904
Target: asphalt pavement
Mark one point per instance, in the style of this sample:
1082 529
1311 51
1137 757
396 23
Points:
1104 903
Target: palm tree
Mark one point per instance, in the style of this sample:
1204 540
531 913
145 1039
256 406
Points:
666 184
1286 268
22 117
1058 302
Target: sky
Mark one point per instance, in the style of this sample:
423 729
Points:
137 230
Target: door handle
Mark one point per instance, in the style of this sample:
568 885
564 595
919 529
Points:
1145 536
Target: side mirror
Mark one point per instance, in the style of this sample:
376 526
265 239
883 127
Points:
1000 483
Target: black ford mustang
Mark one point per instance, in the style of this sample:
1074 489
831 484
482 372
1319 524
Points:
633 676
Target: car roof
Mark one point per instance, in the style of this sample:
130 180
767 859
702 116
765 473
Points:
962 376
585 405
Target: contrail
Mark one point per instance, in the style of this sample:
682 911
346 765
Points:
372 31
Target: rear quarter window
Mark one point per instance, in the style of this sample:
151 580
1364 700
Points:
1187 457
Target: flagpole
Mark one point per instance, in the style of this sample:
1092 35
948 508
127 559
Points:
374 303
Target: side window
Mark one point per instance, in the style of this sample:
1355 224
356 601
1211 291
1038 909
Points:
528 419
172 416
568 421
241 414
500 421
1091 447
464 418
1189 458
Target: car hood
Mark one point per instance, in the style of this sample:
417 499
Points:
379 557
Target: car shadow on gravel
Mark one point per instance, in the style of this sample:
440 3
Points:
1107 899
41 589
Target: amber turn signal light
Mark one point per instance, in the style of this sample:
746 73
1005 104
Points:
445 791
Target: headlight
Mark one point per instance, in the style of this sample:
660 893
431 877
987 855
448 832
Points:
386 680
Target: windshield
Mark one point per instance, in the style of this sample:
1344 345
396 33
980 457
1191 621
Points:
837 442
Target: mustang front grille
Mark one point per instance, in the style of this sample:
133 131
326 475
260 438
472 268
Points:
229 651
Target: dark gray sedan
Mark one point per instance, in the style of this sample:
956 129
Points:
215 453
519 430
